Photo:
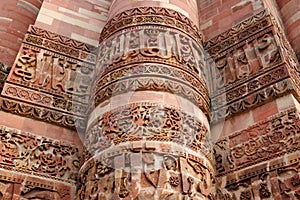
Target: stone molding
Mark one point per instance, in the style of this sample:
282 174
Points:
251 64
266 140
147 122
150 16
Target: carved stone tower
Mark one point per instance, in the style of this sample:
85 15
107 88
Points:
149 99
148 134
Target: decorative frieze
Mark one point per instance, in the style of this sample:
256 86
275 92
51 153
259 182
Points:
150 122
248 60
56 81
21 186
145 175
151 57
269 139
277 180
39 156
60 44
148 16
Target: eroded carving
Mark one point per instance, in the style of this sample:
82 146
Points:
151 121
164 180
31 154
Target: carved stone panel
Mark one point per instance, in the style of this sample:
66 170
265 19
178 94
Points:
145 175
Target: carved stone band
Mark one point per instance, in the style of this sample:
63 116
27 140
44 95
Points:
155 77
269 139
149 122
151 15
27 153
152 44
145 175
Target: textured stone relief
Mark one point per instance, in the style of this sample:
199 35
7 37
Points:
43 114
150 15
152 44
153 77
279 181
251 66
55 80
258 143
136 122
23 187
130 148
54 73
151 57
144 175
239 32
60 44
30 154
4 71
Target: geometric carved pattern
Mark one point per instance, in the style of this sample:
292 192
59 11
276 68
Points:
269 139
41 113
250 60
29 154
150 122
156 77
150 16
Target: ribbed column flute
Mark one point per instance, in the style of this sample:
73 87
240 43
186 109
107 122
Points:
148 134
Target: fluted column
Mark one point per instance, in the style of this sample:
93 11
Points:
148 133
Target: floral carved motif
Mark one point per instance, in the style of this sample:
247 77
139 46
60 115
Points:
273 138
151 122
27 153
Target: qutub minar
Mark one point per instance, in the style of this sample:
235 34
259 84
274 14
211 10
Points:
154 99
